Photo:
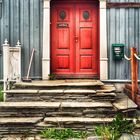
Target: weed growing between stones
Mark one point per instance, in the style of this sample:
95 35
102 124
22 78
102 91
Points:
52 77
1 94
115 130
62 134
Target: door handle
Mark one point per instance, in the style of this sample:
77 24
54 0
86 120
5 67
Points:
76 39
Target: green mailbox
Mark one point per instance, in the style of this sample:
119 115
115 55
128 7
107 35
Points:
118 51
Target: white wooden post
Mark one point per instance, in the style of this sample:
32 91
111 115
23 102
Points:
46 41
103 42
5 63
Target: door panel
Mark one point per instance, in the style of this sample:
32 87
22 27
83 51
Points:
62 27
86 48
63 38
86 33
74 40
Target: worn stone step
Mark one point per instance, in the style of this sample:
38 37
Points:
106 89
29 105
19 120
70 120
54 104
59 84
124 103
76 123
32 109
58 95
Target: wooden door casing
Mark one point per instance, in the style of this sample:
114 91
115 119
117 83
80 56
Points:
74 48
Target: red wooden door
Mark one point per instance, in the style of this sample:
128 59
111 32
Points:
74 40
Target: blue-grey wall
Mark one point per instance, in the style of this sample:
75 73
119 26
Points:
23 20
123 26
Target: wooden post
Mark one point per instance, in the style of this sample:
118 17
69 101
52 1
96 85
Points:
134 73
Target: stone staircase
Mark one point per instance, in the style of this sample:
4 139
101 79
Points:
76 104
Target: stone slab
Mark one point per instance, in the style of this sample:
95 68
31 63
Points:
17 120
23 91
106 94
79 91
106 89
125 103
86 104
130 137
51 91
29 104
77 119
55 83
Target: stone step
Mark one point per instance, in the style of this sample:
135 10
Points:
70 120
19 120
66 109
18 125
59 84
75 123
41 109
107 93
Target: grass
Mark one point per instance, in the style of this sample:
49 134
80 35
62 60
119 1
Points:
1 94
111 131
115 130
62 134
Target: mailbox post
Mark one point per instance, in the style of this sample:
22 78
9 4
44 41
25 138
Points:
118 51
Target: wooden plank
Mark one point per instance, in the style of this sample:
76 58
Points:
37 61
108 39
112 22
6 22
32 16
11 15
118 26
16 22
26 34
21 7
121 69
123 5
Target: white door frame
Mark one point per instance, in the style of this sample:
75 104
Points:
46 41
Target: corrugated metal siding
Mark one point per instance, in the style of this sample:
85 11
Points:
123 26
23 20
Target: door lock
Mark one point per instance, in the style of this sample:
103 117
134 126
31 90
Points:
76 39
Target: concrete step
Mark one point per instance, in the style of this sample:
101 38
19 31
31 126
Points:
106 93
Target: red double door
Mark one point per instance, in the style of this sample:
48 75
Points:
74 40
